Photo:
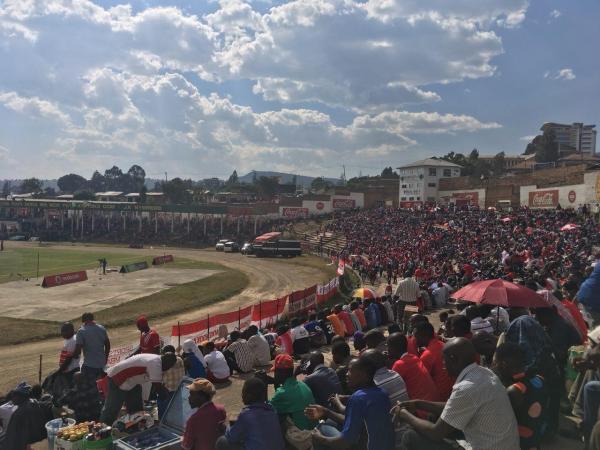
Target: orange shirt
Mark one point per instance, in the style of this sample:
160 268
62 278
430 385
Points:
360 315
338 325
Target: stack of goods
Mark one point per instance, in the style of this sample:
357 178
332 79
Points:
85 435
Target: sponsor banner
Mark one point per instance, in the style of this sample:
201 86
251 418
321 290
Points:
158 260
411 204
543 199
133 267
301 301
469 197
119 354
320 205
292 213
343 203
208 328
341 267
268 312
326 291
64 278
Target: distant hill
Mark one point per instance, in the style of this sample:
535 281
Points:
285 178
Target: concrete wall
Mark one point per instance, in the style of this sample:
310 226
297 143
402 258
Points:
571 196
451 196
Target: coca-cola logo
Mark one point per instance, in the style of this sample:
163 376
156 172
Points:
294 212
320 205
572 196
340 203
543 199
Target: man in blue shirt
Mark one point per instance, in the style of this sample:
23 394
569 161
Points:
369 406
372 314
257 426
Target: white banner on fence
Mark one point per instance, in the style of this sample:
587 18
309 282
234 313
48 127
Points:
203 334
118 354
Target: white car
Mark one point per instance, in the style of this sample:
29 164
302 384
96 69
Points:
221 245
231 247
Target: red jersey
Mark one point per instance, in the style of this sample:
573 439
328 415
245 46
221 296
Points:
419 384
433 361
345 317
149 342
202 429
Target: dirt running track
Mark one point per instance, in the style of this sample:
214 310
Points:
269 278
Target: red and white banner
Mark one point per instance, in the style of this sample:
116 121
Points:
341 267
64 278
466 197
119 354
343 203
292 213
208 328
268 312
302 301
326 291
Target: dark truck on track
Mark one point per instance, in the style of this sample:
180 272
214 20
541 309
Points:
277 247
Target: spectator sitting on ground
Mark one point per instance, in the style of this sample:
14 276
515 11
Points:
478 323
374 339
195 365
207 424
239 354
217 369
485 346
290 400
83 398
368 407
322 381
458 326
171 379
284 340
388 380
300 338
358 341
259 347
340 353
257 426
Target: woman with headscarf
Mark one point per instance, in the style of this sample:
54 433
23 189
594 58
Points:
193 359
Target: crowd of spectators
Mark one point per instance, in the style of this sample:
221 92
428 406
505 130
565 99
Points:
406 370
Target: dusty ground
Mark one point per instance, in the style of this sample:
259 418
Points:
28 300
269 278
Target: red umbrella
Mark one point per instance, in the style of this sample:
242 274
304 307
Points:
500 293
569 227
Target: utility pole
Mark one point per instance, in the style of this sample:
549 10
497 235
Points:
166 179
344 166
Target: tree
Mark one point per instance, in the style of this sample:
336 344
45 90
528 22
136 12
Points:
97 182
320 184
143 192
31 185
233 179
84 195
176 190
544 147
6 188
137 176
113 178
49 192
71 183
388 172
267 186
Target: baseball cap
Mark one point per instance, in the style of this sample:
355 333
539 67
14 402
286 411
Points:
202 385
283 361
142 322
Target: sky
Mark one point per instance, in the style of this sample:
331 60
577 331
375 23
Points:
200 88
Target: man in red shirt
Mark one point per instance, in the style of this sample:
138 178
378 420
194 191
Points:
149 339
419 383
432 358
207 424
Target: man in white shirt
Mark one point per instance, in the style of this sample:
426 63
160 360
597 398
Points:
408 292
217 369
68 363
478 406
125 380
259 346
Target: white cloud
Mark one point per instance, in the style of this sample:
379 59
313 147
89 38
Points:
562 74
527 138
555 14
118 84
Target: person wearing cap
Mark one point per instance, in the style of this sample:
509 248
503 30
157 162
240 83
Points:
149 339
257 426
207 424
290 400
125 380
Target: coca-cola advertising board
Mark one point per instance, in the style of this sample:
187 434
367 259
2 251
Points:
294 212
543 199
470 197
343 203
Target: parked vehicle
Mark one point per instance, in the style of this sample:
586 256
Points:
231 247
247 249
221 245
277 248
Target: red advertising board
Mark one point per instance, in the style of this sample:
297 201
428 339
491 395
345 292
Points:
294 212
64 278
543 199
301 301
343 203
467 197
158 260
